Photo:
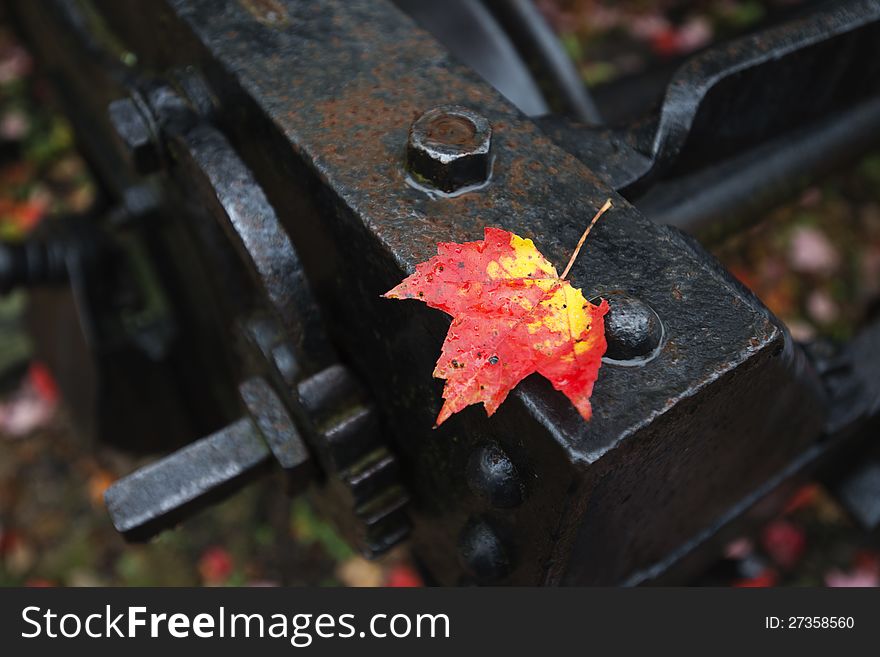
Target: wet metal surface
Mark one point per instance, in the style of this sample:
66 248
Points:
158 495
317 110
346 120
632 328
274 424
247 216
449 148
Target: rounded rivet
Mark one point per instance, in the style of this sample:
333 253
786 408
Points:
632 328
482 552
449 148
492 476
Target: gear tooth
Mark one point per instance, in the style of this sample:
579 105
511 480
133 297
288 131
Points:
364 484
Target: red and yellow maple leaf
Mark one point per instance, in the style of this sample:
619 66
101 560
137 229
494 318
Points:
512 315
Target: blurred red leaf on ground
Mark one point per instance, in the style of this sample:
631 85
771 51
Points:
765 579
39 583
403 576
43 382
215 566
785 542
803 497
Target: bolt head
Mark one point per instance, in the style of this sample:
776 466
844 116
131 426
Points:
632 328
135 133
449 148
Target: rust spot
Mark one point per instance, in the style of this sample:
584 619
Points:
357 134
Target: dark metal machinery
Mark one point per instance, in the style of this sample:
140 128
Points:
270 177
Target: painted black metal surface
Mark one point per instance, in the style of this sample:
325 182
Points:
335 141
253 227
160 494
274 424
163 493
301 145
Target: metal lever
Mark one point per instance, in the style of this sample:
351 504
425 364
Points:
165 492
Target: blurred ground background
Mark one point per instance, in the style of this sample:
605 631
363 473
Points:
815 262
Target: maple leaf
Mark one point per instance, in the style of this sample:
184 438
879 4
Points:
512 315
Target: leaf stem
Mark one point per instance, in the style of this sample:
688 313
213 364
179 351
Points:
580 243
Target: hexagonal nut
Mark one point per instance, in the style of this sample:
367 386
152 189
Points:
449 148
133 130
